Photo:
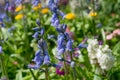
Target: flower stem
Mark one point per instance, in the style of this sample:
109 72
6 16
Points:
46 73
4 73
32 74
65 67
73 69
93 21
97 73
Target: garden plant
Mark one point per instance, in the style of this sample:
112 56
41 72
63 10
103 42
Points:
59 39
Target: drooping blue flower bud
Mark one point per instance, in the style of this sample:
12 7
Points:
62 14
51 36
46 59
36 29
72 64
81 45
60 40
53 6
38 22
42 31
35 35
69 45
42 44
60 52
1 49
38 60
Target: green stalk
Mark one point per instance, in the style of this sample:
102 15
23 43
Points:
73 69
82 15
65 68
93 21
46 73
4 73
97 74
33 74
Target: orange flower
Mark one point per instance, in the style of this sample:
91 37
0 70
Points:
20 7
70 16
19 16
37 7
45 11
93 14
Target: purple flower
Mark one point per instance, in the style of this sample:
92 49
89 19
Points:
60 72
11 8
100 42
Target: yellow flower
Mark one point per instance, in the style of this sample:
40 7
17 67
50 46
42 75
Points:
37 7
20 7
19 16
93 14
45 11
70 16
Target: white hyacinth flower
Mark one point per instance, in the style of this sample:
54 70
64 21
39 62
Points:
100 54
105 57
92 50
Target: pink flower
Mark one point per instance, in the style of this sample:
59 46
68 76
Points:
15 63
117 24
109 37
116 32
60 71
71 34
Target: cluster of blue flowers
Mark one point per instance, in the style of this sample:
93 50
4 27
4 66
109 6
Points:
64 41
41 56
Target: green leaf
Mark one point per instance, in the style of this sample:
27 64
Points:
19 75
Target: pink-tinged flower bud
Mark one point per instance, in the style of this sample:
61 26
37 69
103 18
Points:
60 71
